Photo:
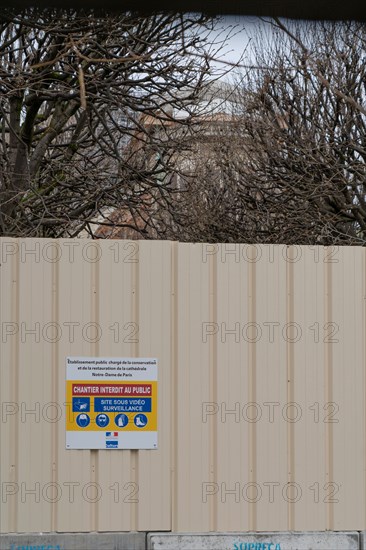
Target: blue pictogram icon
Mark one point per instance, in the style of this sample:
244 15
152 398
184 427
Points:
81 404
102 420
121 420
83 420
140 420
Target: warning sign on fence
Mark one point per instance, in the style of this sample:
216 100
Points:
111 403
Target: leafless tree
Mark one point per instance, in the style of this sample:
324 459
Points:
290 167
76 90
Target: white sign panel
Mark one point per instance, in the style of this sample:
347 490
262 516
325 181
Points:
111 403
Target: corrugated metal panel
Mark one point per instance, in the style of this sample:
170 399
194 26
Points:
262 391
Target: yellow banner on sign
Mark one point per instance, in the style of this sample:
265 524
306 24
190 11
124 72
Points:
111 406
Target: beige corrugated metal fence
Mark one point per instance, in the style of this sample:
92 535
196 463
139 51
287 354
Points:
261 374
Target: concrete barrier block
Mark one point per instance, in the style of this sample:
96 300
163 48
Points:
254 541
363 540
73 541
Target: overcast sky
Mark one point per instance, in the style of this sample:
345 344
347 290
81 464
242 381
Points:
242 29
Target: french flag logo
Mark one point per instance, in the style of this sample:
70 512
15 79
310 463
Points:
112 435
